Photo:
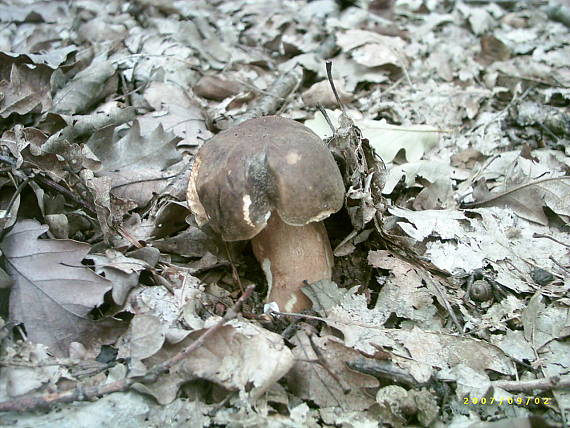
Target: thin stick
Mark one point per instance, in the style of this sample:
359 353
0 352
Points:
557 263
543 384
494 197
74 197
331 82
15 195
79 393
144 180
542 235
235 275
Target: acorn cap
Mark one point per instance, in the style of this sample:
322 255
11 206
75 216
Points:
263 165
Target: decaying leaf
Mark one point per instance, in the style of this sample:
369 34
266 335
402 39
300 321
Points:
41 370
52 293
177 112
143 339
506 243
192 242
239 357
321 93
363 172
121 270
398 404
404 292
182 300
216 88
436 178
528 200
109 209
363 330
136 163
545 331
372 49
320 374
44 11
24 89
387 140
137 88
86 88
110 114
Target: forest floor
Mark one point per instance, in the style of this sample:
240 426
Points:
449 303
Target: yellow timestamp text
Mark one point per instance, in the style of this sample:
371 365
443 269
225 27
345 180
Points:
517 401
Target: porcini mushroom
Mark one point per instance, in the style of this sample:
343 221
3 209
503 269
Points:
271 180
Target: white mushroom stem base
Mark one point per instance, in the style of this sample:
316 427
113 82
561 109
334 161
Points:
290 255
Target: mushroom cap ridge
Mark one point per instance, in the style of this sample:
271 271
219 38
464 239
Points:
263 165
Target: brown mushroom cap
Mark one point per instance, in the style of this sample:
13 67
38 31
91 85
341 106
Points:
270 163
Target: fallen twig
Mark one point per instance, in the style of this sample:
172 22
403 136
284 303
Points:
80 393
544 384
276 96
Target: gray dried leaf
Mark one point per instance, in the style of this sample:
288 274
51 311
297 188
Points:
24 89
542 323
321 93
121 270
58 225
109 209
52 58
324 294
46 11
135 150
109 114
335 385
240 356
431 170
527 200
193 242
41 370
499 237
143 339
435 196
176 112
428 350
6 280
515 345
351 39
52 292
364 171
403 293
376 55
135 165
398 404
87 88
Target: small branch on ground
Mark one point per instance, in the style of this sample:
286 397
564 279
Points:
544 384
276 96
80 393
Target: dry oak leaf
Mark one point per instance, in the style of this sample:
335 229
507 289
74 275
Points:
527 200
321 374
240 356
52 292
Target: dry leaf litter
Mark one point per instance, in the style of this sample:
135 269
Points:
449 304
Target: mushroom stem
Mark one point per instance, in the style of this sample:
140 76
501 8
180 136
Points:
290 255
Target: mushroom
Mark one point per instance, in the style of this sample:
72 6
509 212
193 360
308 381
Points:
271 180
